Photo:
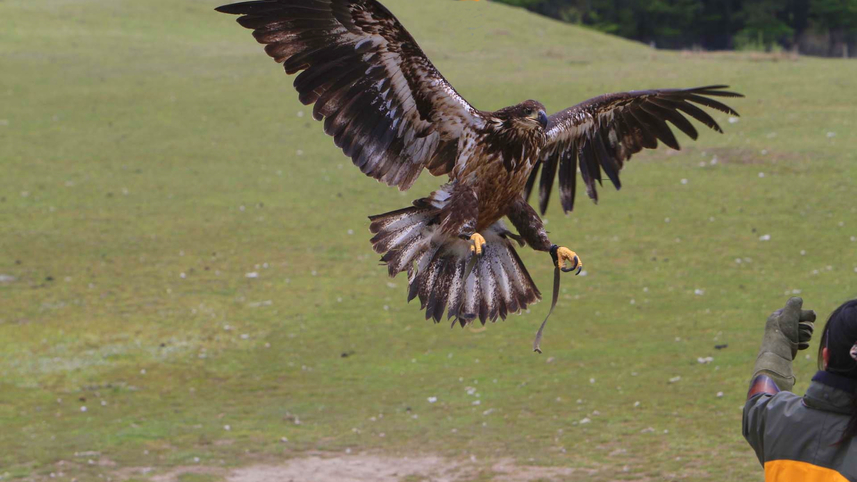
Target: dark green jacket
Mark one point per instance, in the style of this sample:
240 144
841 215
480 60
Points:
795 437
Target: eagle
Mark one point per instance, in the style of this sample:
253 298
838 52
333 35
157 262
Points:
389 109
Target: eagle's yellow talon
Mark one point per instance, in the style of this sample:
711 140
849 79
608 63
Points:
478 241
566 255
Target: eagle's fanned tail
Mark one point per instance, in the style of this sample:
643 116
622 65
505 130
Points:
496 285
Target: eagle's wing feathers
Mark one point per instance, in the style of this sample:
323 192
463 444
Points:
385 104
602 133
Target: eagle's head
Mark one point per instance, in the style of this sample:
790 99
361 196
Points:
528 115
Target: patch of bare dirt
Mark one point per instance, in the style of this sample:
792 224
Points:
357 468
380 468
508 471
374 468
174 474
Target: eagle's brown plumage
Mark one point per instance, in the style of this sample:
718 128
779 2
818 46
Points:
604 132
393 114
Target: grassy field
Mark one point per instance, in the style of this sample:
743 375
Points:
152 158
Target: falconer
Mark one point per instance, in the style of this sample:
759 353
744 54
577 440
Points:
809 438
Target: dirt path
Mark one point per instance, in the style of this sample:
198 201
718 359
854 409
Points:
376 468
353 469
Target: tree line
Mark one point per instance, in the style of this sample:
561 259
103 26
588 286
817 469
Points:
812 27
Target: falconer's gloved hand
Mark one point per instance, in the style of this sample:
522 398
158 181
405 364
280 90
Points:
787 331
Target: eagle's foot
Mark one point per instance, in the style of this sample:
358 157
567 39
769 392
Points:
562 255
478 242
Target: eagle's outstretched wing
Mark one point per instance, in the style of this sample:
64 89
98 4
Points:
602 133
381 99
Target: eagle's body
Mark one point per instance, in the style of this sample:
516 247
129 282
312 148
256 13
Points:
394 115
498 170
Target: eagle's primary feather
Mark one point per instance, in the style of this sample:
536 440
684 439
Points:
389 109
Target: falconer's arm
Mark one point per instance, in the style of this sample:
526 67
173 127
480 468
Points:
786 332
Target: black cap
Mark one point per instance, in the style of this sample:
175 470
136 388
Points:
840 339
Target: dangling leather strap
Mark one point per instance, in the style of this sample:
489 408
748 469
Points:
537 342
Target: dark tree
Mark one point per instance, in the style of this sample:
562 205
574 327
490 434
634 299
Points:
765 24
838 18
712 24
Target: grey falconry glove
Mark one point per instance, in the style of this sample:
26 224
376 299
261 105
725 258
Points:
787 331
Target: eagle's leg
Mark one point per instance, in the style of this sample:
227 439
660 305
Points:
459 213
478 242
532 230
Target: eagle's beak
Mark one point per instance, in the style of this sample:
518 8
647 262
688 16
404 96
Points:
543 119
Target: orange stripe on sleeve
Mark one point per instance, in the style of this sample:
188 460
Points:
792 471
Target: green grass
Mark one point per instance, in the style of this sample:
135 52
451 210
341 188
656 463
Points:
151 156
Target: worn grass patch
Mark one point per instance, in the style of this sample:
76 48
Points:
152 158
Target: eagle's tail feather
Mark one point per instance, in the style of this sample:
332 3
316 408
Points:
497 283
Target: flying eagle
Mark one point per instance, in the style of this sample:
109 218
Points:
389 109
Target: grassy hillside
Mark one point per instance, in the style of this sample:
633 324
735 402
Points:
152 158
